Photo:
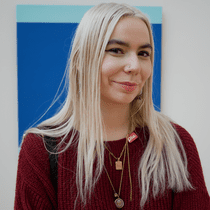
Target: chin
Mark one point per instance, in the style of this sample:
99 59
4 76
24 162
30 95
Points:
119 98
127 100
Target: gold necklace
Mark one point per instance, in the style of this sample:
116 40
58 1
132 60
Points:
118 163
119 201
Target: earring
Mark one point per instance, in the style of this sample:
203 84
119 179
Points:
139 97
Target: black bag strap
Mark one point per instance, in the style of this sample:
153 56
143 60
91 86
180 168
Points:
53 158
172 204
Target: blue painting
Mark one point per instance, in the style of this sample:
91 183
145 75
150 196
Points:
44 35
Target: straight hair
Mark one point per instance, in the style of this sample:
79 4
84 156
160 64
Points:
164 157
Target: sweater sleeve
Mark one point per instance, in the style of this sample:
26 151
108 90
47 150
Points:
34 189
197 198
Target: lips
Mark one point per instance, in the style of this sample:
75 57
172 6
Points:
127 83
128 86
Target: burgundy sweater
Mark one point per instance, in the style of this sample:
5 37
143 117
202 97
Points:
34 189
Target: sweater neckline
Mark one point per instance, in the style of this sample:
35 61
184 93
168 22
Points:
118 140
138 131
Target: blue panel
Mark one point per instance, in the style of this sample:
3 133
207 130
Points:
42 55
157 34
43 50
69 13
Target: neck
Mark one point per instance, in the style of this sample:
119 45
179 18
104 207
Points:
116 120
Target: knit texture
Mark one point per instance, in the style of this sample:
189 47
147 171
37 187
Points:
34 189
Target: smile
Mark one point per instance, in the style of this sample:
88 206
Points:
128 86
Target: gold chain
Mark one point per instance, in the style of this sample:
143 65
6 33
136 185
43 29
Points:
126 145
121 176
129 171
113 154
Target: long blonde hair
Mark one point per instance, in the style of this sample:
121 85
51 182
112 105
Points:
162 158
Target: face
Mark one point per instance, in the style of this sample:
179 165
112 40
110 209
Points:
127 63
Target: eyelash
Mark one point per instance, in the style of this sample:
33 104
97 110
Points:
116 50
144 52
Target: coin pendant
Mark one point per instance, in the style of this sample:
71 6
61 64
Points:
119 203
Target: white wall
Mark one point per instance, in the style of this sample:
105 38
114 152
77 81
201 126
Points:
185 77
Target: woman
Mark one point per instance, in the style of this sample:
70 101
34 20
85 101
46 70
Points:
112 149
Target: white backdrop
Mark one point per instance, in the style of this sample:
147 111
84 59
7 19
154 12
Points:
185 77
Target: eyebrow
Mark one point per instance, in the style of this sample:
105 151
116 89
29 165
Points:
117 41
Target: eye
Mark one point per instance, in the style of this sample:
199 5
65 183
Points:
115 50
144 53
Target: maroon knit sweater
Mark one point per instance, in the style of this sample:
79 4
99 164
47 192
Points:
34 189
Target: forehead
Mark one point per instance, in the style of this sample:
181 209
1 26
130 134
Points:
131 29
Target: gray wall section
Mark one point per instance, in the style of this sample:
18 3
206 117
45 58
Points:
185 78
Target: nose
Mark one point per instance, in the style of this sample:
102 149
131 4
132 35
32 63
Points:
132 64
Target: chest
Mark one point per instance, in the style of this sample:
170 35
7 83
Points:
102 196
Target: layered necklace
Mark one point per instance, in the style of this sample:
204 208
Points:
119 165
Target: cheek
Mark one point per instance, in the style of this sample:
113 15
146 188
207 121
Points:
147 72
108 69
106 65
109 65
105 71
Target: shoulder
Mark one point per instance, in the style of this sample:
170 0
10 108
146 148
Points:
33 164
33 154
31 139
33 144
188 144
182 131
33 183
187 140
194 163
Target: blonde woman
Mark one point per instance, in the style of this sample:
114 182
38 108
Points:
107 148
